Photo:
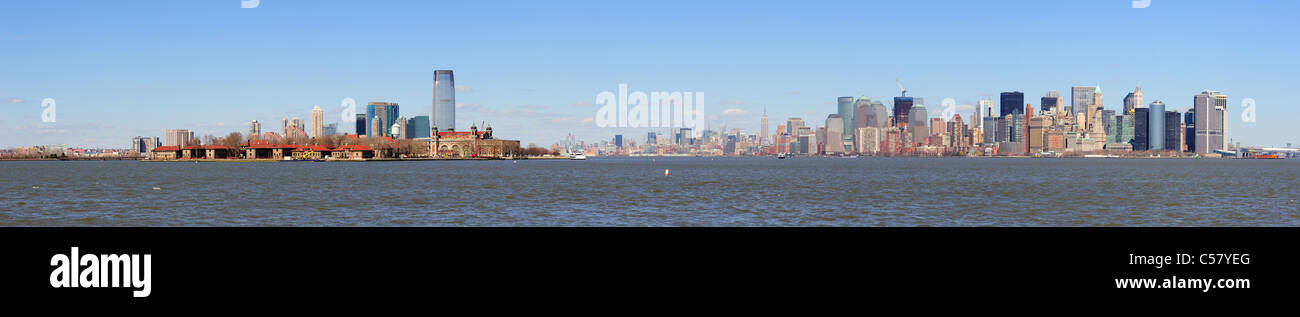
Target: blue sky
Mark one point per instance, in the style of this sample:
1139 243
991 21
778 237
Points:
532 69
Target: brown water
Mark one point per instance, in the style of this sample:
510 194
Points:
635 192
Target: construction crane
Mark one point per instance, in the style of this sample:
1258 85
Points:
900 86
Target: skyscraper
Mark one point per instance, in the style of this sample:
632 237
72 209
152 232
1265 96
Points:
254 130
1012 103
1156 114
444 100
1080 98
1141 129
919 124
902 107
331 129
1173 131
762 132
833 138
386 112
178 137
317 122
144 145
361 124
1189 130
1134 101
878 117
418 127
1211 124
983 109
848 117
1051 101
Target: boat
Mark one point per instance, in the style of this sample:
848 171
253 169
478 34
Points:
781 156
1100 156
577 156
1267 156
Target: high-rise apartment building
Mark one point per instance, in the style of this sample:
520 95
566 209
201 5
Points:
317 122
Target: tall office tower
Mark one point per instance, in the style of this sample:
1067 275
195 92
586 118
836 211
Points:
1094 111
1107 123
650 138
1189 130
848 116
331 129
861 110
376 127
1133 101
919 125
294 123
990 130
1211 124
833 138
793 125
254 130
284 126
763 138
983 109
618 140
361 124
937 127
1004 129
1156 126
902 107
1080 99
1141 129
179 137
386 112
444 100
1051 102
1037 128
1012 102
418 127
317 122
1173 131
879 116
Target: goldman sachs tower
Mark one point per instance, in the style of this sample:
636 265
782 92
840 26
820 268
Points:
444 101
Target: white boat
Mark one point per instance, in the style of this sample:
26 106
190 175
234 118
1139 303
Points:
1100 156
577 156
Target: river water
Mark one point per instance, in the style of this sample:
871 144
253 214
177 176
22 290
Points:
635 192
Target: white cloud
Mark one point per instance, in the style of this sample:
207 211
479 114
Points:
16 100
464 88
735 112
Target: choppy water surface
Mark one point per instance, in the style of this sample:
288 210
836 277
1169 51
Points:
635 192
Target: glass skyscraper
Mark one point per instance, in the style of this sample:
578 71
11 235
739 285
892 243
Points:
387 113
1141 131
1156 125
444 100
1012 103
417 127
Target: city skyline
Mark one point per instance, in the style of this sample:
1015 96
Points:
540 95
